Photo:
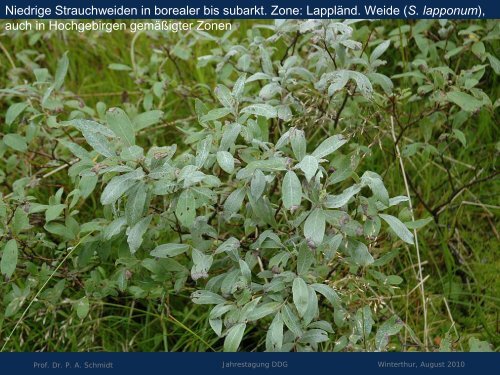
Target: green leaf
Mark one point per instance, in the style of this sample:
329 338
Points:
465 101
99 143
291 191
394 280
205 297
186 208
220 310
91 127
215 114
120 124
323 325
16 142
225 97
362 83
399 228
309 165
190 175
53 212
304 260
82 307
273 164
257 184
495 63
225 161
329 145
389 328
181 51
283 140
417 224
9 259
386 258
374 181
229 245
336 201
147 119
263 310
327 292
169 250
460 136
203 150
478 49
248 308
234 201
291 320
119 185
445 344
298 142
14 111
135 234
61 71
20 222
119 67
476 345
132 153
338 81
234 337
314 336
245 270
114 228
216 325
364 322
201 264
359 253
239 86
340 344
134 209
453 52
312 311
379 50
229 136
264 110
314 227
87 185
274 336
267 64
397 200
300 295
381 80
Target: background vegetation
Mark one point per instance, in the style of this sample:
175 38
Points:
438 119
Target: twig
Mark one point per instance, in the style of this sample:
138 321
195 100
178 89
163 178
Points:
330 54
167 124
452 321
42 288
174 61
439 209
420 274
2 47
132 52
48 174
292 46
337 118
424 203
484 205
100 94
448 173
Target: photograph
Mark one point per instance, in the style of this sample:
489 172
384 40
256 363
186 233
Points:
248 185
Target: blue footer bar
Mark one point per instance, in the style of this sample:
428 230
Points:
228 363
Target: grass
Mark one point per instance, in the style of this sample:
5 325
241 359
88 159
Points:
458 252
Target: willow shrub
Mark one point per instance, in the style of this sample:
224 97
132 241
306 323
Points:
256 209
